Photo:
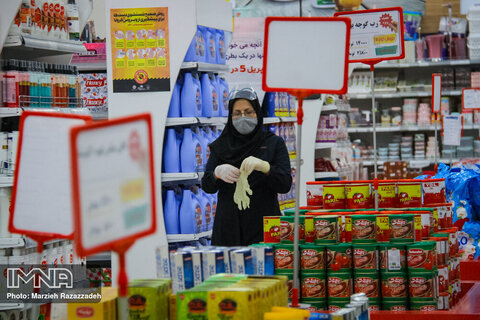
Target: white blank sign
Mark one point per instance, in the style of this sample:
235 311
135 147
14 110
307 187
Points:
452 130
307 54
42 201
113 178
471 99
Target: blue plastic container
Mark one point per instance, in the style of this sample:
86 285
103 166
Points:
187 219
171 154
174 108
222 46
170 212
190 152
196 50
210 44
223 89
188 96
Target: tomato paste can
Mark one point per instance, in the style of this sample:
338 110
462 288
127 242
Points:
335 304
315 193
368 282
443 279
345 227
394 304
271 229
409 193
434 191
315 304
421 284
394 285
392 257
287 227
425 219
312 257
309 230
441 249
283 256
326 229
418 226
359 195
313 285
365 256
339 284
364 228
434 220
425 305
449 214
334 196
387 194
421 255
383 227
339 257
451 234
374 304
402 228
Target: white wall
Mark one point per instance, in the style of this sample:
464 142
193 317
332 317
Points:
98 16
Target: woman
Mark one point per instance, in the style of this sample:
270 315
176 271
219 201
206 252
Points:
245 146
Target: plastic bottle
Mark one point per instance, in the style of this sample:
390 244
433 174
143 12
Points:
204 203
198 152
270 99
200 134
188 152
170 211
202 44
191 97
190 215
222 47
46 86
196 50
223 89
174 108
199 211
198 96
207 96
208 210
210 47
171 159
10 85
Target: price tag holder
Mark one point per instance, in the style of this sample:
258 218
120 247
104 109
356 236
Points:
452 130
113 186
436 92
376 35
41 205
470 99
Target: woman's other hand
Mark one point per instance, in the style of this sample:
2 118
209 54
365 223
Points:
227 173
251 163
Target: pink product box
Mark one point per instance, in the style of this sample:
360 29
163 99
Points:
94 89
96 52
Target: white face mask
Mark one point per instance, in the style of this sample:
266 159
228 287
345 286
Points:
245 125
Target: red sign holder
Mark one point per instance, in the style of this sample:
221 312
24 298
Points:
364 36
38 235
138 154
343 27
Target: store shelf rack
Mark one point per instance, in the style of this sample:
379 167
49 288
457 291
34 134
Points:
406 94
185 121
30 47
206 67
323 175
188 237
406 128
15 112
91 66
12 306
324 145
419 64
6 182
11 243
412 163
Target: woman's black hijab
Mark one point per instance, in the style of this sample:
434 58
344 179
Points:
232 147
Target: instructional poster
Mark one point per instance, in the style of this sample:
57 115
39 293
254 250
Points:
376 34
140 50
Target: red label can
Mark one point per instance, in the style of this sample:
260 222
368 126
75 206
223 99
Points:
443 276
334 196
394 285
409 193
421 255
365 256
339 285
359 195
421 284
315 194
434 191
387 194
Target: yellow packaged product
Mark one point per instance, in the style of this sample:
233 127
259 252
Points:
106 309
305 313
285 315
148 299
231 304
172 307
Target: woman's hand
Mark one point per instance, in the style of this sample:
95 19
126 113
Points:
227 173
251 163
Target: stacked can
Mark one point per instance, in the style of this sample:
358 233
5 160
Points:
313 278
393 268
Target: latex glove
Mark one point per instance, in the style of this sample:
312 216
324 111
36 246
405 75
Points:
242 192
227 173
251 163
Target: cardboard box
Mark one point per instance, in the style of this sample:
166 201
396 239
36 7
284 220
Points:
434 10
106 309
148 299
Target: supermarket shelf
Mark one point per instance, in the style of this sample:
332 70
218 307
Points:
6 182
271 120
188 237
402 94
288 119
412 163
213 120
30 243
324 145
181 176
91 66
406 128
181 121
206 67
15 112
11 306
322 175
387 65
329 107
34 47
11 243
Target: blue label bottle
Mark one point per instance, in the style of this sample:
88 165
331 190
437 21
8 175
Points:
174 108
188 96
187 214
199 211
170 211
207 99
187 152
210 46
171 155
223 88
198 95
222 47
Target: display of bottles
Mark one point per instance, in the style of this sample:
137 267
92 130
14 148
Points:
39 84
280 104
49 19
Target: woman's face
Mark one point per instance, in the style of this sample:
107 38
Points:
242 107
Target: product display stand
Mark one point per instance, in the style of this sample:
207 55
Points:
374 122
